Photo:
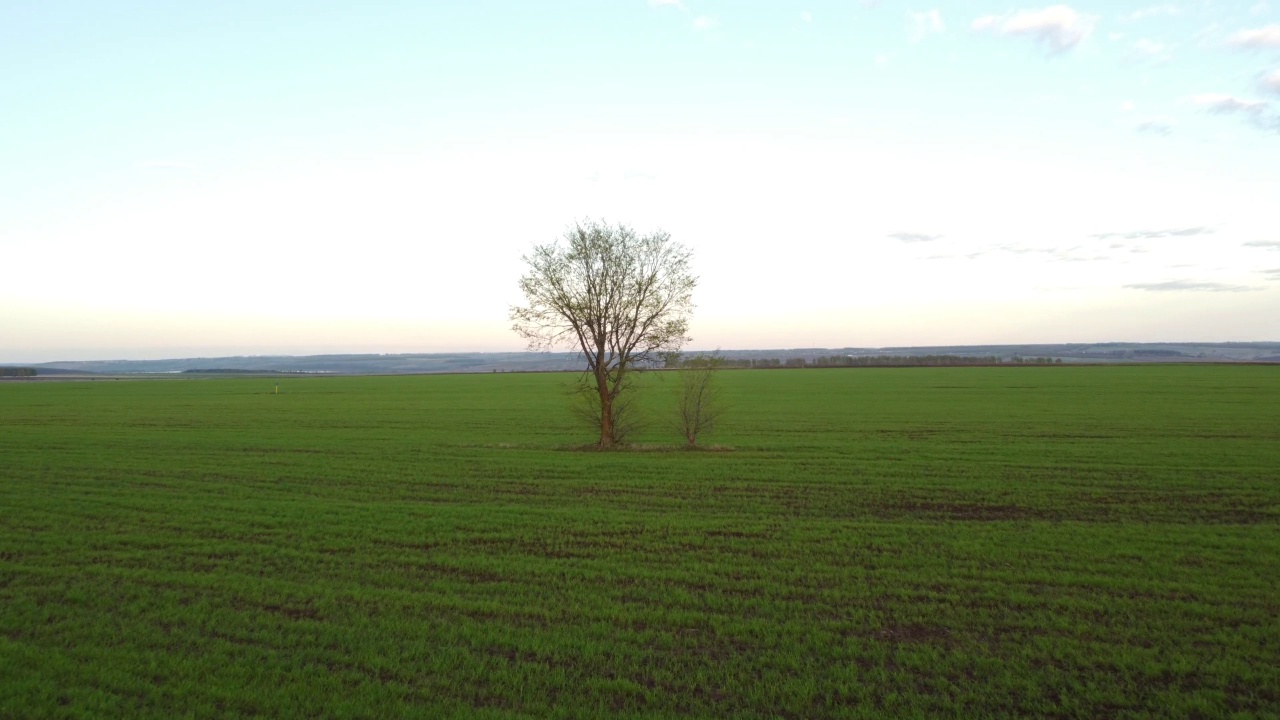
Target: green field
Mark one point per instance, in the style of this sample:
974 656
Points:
933 542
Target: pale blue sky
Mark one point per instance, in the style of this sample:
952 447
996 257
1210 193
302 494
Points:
290 177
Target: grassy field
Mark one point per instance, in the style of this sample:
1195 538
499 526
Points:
966 542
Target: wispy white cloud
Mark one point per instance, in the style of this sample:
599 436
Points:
921 25
1219 104
1155 126
1190 286
1162 233
705 22
1167 9
806 16
1258 113
1265 244
1270 82
913 237
1150 51
1057 27
1260 38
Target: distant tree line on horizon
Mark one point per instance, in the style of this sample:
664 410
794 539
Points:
876 361
243 371
17 372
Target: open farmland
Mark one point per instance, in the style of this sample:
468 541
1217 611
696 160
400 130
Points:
946 542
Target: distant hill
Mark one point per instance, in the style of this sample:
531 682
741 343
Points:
328 364
415 363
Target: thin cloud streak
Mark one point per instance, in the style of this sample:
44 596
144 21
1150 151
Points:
1152 234
1219 104
909 237
1190 286
1257 113
1162 128
1058 27
1259 39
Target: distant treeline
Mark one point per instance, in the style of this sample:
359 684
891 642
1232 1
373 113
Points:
242 371
875 361
17 372
1132 353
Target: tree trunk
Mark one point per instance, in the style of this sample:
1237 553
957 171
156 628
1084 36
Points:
606 410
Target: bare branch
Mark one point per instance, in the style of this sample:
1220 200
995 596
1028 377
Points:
699 405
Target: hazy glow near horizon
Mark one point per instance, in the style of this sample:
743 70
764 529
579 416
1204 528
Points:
241 178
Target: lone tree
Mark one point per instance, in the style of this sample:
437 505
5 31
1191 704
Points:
618 297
